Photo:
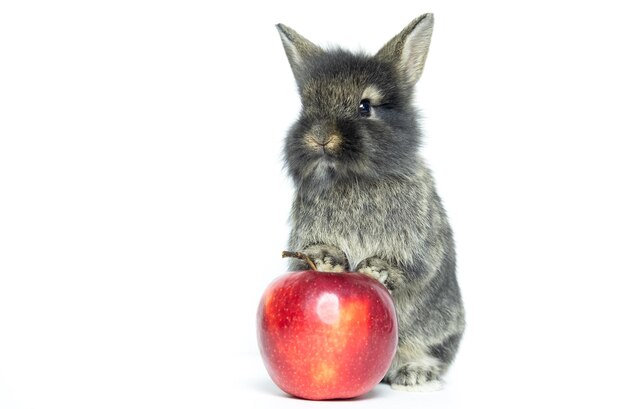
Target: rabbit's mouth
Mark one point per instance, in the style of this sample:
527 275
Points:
325 163
323 168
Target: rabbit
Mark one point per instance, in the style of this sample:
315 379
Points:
364 198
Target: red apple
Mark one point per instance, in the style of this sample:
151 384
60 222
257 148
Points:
326 335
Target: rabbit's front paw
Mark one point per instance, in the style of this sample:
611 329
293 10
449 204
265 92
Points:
391 277
327 258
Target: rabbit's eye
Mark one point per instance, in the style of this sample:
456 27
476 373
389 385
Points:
365 108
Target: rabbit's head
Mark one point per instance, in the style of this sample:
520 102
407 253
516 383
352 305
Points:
357 120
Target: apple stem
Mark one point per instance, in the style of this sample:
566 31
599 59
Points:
301 256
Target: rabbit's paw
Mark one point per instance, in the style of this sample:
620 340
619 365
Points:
414 377
391 277
327 258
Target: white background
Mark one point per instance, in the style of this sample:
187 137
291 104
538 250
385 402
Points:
143 205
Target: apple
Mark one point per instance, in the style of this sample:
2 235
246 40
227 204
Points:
326 335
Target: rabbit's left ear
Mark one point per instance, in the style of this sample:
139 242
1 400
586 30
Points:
408 49
298 49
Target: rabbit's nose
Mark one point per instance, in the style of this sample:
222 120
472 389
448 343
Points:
332 142
327 142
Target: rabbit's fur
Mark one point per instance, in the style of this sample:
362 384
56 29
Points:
365 201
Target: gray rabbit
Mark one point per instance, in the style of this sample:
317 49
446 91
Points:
365 200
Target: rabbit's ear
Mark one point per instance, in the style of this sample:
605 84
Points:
297 48
408 49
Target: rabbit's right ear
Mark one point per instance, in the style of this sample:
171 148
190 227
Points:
298 50
408 49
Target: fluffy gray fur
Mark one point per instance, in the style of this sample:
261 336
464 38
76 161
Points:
364 198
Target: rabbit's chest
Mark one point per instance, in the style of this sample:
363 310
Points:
363 229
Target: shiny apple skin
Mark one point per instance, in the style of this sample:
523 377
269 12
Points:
326 335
